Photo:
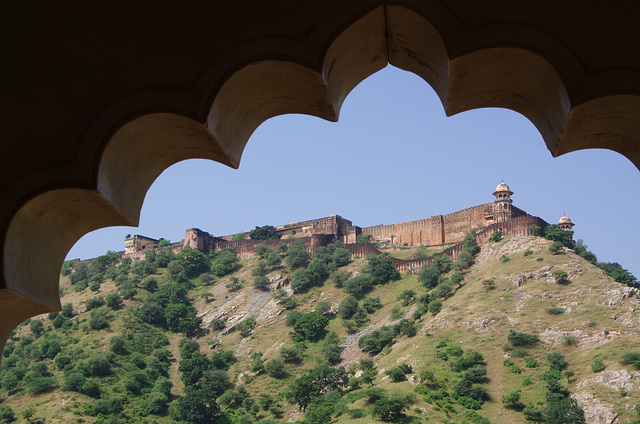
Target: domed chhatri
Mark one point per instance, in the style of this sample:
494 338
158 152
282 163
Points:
503 188
502 205
565 223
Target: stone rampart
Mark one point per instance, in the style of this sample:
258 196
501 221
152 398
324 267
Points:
436 230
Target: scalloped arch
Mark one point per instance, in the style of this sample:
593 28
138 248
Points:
492 71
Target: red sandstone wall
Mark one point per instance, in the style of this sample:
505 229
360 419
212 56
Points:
436 230
457 224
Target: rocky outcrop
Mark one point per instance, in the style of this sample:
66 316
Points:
596 411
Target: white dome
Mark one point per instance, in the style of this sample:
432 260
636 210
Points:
565 220
502 187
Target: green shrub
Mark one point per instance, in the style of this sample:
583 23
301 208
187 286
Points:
233 284
371 304
95 302
217 324
377 340
556 361
530 362
631 358
528 253
396 312
519 353
555 311
504 259
489 285
561 277
496 236
597 365
569 340
522 339
435 306
527 381
275 368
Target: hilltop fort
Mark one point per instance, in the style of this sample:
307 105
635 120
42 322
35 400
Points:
444 232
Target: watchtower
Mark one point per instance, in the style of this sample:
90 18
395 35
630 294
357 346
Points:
566 224
502 204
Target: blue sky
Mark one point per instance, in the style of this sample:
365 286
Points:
393 156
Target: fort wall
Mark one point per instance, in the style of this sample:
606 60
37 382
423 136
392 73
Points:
436 230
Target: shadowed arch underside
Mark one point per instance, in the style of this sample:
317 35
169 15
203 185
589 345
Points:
202 92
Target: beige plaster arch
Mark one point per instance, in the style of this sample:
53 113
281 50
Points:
509 56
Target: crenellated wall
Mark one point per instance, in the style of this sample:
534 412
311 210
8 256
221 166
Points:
246 248
438 229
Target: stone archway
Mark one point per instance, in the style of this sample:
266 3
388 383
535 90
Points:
122 118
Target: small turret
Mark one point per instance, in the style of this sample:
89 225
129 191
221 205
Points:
566 224
502 204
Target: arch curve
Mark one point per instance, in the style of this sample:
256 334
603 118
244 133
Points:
468 63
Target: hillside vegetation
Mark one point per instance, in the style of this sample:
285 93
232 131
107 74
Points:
510 333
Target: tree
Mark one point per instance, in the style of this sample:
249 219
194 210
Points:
98 319
291 354
118 345
391 409
197 407
261 283
315 382
94 302
556 247
6 414
348 307
273 258
495 237
182 318
331 348
267 232
151 312
561 277
358 286
311 326
377 340
407 297
535 229
465 260
224 262
37 327
553 232
443 290
470 243
275 368
435 306
195 262
113 301
371 304
512 400
67 310
297 255
556 361
522 339
302 280
429 277
381 269
618 273
565 411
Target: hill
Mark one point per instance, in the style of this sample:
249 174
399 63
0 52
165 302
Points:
280 337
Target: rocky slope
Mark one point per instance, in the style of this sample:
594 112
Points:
590 317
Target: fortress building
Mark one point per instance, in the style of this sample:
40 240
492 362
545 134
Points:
439 231
138 243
